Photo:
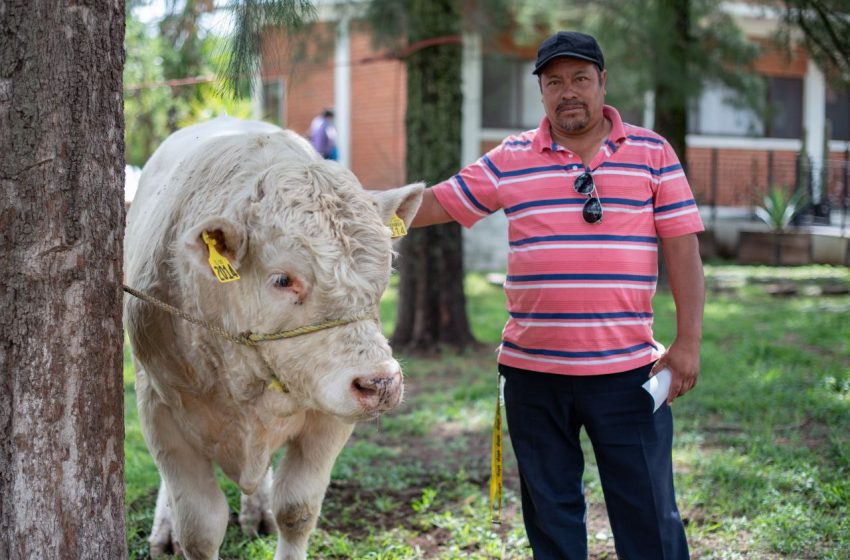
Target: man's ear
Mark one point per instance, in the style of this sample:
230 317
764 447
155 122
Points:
403 201
231 241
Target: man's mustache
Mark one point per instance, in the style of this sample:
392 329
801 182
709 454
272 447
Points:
570 105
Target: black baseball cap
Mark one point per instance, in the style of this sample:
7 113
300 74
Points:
571 44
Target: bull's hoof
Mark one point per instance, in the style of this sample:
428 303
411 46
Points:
256 525
165 547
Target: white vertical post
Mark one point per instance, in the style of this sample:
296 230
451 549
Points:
814 123
471 73
257 96
649 109
342 89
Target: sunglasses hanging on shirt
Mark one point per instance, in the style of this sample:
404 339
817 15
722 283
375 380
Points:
592 210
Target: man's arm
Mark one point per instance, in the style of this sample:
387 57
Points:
684 268
430 211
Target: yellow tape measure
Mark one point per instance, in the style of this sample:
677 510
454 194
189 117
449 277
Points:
496 459
221 267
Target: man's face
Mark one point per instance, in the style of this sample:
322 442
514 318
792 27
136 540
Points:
573 94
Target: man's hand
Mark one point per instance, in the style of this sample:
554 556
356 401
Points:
683 361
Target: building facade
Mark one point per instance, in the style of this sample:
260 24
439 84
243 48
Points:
733 154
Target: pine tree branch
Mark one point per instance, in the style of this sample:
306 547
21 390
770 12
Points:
251 19
799 18
841 46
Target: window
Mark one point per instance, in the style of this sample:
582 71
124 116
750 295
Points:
838 113
785 111
721 111
510 94
273 101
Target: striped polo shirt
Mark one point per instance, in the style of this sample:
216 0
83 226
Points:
579 295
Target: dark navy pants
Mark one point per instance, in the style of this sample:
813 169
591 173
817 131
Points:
633 449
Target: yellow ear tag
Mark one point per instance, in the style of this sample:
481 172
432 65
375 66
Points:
397 227
221 267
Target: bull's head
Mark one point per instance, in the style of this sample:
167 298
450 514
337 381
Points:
310 245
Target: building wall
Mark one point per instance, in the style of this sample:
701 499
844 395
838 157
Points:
777 63
378 104
378 92
307 71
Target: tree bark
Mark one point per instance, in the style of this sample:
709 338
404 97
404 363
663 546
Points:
671 92
61 229
432 305
671 74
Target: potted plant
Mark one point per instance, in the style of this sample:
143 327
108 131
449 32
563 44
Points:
783 244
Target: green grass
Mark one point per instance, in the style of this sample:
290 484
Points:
762 450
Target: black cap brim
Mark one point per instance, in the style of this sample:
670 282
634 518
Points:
541 65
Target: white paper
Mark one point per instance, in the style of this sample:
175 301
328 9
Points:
658 386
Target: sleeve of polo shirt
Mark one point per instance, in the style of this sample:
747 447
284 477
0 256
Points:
472 194
676 211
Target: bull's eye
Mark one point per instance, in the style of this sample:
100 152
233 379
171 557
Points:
282 281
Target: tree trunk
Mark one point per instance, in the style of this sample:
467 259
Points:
61 228
671 89
432 305
671 74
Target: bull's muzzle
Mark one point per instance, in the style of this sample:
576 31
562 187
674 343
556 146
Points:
378 392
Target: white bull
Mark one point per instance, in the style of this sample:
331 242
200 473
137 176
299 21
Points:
310 246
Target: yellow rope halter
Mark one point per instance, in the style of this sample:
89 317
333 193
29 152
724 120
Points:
248 338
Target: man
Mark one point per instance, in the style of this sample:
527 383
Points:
323 134
587 198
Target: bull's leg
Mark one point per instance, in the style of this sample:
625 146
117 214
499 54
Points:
160 539
301 480
255 514
199 509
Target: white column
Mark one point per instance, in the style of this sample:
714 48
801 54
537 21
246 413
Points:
814 122
649 109
257 95
471 88
342 90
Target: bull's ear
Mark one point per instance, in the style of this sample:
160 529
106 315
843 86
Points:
231 241
403 201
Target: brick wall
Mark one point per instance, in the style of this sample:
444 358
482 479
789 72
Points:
307 70
378 90
743 177
378 103
779 63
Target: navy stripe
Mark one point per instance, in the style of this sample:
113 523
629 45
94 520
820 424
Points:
589 354
552 202
640 167
682 204
611 145
470 197
615 315
529 170
492 166
560 201
540 277
645 138
627 201
541 239
518 143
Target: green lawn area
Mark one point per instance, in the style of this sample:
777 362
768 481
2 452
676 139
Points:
762 448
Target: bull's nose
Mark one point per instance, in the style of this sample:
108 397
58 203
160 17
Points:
378 391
